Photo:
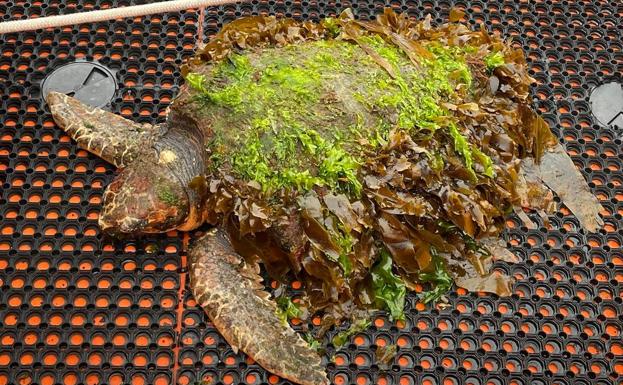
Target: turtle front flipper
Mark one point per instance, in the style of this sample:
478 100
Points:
111 137
232 295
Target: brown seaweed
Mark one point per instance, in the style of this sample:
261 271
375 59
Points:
426 197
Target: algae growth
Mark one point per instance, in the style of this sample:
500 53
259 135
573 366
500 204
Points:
494 60
166 195
287 109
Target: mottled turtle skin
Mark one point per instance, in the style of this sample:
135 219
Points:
161 186
230 292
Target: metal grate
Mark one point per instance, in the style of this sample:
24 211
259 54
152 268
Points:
80 308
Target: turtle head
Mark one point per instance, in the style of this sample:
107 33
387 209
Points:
163 189
155 190
144 198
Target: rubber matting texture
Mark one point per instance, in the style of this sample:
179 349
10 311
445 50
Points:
79 308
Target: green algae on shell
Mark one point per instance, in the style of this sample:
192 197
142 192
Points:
283 98
494 60
413 125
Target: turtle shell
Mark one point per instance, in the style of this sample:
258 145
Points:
340 149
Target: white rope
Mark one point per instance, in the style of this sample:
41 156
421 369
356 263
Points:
106 14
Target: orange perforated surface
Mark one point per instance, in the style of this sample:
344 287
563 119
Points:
80 308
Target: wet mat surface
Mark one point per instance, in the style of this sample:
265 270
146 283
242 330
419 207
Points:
80 308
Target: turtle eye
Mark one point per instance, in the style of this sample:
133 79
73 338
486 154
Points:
144 198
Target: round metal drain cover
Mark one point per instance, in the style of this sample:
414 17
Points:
89 82
607 104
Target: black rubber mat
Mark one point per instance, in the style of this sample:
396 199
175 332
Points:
80 308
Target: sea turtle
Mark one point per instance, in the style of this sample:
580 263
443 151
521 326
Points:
360 158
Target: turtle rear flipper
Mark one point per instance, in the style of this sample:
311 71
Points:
560 174
556 171
111 137
232 295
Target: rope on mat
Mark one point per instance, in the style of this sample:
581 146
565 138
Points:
106 14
